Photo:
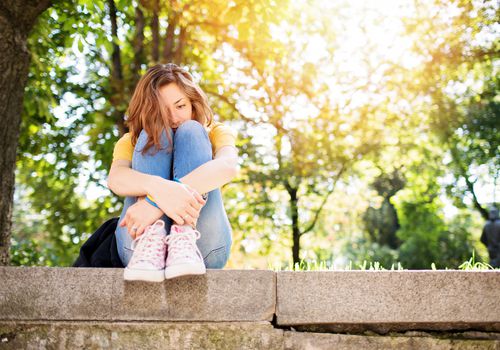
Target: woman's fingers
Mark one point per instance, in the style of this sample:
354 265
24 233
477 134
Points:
188 216
198 201
193 212
196 195
131 229
177 219
199 198
140 230
135 229
124 222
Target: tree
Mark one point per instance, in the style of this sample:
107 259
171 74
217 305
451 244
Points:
427 236
312 139
64 154
460 53
314 119
17 18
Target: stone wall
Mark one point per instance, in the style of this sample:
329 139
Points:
69 308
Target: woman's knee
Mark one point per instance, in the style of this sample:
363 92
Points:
191 128
142 140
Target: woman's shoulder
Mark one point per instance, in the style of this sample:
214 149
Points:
221 135
218 128
125 139
126 136
123 147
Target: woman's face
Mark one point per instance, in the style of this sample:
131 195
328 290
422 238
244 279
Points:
178 104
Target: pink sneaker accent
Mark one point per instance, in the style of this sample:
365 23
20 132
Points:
184 257
148 261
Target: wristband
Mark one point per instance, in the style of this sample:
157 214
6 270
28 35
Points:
150 201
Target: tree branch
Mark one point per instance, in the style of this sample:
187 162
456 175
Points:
234 108
316 215
477 205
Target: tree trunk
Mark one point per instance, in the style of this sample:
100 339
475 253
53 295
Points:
117 86
138 47
155 30
168 48
295 223
16 21
180 46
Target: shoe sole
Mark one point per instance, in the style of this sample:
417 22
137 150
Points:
143 275
184 270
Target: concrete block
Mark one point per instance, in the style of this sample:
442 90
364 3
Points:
139 335
220 295
318 341
347 301
39 293
46 293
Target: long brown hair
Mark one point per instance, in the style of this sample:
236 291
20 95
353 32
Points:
147 111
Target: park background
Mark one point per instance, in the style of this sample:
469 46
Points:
368 130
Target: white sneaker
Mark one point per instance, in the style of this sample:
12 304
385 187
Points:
183 257
148 261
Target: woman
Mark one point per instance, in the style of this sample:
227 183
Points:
172 154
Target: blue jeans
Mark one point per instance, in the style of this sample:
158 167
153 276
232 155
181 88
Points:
191 149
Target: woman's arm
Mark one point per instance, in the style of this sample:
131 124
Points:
125 181
171 197
215 173
177 201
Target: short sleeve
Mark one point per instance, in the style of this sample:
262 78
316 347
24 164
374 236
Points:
123 148
221 135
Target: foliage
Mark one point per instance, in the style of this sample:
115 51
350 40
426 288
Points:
362 250
382 223
321 113
460 77
427 237
73 114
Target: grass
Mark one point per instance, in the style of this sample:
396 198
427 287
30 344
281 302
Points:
472 264
313 265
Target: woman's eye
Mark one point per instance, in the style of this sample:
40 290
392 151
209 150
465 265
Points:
181 106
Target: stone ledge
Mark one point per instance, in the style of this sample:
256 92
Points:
318 341
41 293
346 301
216 335
333 301
139 335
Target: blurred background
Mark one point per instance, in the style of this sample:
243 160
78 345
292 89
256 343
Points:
368 130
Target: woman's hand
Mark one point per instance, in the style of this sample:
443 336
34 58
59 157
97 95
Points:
194 193
178 201
140 215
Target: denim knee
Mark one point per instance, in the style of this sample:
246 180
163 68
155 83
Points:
190 127
192 130
142 140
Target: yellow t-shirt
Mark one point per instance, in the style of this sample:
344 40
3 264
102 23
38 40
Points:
219 134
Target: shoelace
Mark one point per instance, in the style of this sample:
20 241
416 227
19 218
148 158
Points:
149 246
183 244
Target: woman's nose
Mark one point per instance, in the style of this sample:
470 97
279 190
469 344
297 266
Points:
175 120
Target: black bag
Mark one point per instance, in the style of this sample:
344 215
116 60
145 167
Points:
100 249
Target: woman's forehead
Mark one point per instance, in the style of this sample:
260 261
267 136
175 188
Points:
172 93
